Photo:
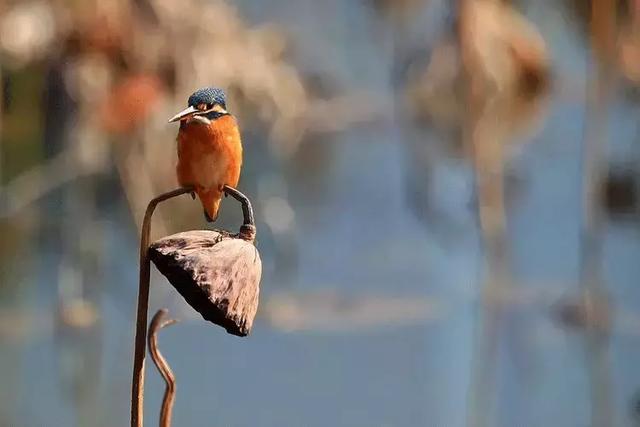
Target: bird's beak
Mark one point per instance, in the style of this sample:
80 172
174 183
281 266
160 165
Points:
187 112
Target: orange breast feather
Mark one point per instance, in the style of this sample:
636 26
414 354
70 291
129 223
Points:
208 158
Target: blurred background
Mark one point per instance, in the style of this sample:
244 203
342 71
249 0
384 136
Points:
447 196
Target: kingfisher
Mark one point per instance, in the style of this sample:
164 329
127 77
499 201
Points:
209 148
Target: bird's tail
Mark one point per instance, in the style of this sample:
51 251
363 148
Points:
211 203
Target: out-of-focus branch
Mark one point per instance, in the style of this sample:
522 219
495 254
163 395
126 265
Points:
594 164
35 183
1 115
137 182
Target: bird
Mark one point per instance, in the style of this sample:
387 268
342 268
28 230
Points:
209 148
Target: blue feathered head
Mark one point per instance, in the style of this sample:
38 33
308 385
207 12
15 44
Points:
205 105
208 95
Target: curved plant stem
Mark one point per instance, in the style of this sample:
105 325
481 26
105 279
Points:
137 386
158 322
247 232
248 229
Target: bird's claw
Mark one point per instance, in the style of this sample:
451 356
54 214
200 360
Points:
193 195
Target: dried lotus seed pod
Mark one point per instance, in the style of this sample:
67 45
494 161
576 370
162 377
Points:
217 274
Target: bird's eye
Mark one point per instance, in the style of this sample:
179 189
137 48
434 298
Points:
209 106
202 107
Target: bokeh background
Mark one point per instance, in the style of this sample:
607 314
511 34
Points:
446 195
